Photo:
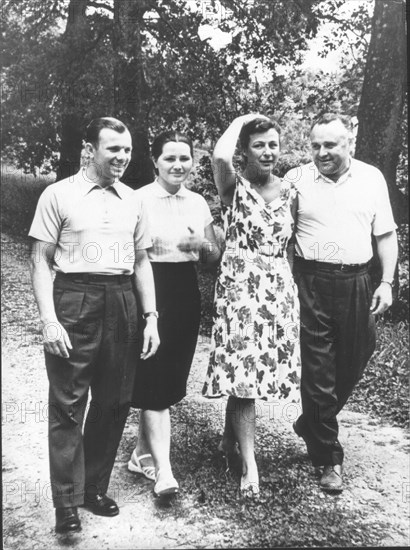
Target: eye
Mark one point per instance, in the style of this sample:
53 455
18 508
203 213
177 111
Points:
185 159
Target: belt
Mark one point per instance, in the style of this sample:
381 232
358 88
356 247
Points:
88 278
330 266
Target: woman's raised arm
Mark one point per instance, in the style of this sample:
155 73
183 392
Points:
222 165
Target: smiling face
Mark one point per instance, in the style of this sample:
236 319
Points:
111 156
262 152
174 165
331 148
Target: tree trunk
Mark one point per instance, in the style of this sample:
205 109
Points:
381 109
131 91
383 96
71 118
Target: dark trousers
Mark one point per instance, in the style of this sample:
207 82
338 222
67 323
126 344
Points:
337 339
101 321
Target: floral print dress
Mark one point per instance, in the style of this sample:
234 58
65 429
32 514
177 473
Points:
255 350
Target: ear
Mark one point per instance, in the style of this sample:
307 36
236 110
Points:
89 148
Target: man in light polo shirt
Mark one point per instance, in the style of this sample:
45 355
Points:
342 202
92 231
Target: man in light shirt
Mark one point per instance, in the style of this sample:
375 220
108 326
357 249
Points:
342 202
91 231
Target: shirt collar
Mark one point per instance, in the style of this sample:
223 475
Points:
87 185
161 193
318 176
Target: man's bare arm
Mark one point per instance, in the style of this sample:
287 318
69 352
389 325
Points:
387 250
56 340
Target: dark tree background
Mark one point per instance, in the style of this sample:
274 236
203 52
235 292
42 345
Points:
380 113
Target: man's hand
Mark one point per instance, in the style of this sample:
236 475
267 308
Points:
151 338
55 339
382 299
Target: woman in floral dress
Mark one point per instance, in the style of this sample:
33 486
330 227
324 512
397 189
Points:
255 346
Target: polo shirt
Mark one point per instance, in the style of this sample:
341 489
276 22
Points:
335 220
94 229
169 216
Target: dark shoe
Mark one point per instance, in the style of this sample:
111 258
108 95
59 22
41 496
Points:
67 520
332 480
101 505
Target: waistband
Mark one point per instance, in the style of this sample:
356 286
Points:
90 278
330 266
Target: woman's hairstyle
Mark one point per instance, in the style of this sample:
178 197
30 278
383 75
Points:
92 132
167 137
256 126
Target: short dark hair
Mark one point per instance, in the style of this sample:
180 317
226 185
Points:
92 132
256 126
167 137
326 118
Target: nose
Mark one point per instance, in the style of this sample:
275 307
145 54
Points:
177 164
322 151
122 154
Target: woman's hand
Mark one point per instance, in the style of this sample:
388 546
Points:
150 339
251 116
192 242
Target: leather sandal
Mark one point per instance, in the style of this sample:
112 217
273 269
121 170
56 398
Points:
134 465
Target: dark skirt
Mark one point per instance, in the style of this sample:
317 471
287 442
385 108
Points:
161 380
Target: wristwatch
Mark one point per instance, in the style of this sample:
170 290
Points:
388 281
150 314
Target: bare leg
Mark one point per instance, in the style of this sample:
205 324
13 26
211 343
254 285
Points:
156 426
241 413
229 442
142 447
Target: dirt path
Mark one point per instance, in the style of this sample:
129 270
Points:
205 515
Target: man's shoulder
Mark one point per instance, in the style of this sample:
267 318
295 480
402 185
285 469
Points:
302 173
125 190
364 167
61 188
144 191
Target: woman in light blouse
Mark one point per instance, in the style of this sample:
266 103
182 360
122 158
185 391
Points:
182 232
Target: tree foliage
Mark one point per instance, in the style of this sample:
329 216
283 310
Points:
142 61
146 62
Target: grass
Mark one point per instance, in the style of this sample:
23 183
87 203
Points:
384 389
291 511
19 195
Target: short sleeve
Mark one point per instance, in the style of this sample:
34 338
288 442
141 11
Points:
47 221
206 213
383 221
142 237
